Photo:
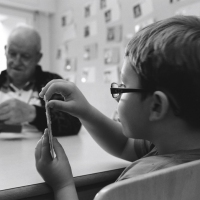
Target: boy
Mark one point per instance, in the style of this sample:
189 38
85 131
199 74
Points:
158 101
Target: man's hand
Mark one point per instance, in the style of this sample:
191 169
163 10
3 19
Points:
15 111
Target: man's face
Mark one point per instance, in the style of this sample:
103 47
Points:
22 59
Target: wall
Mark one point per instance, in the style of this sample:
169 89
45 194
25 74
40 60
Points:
42 24
47 6
97 91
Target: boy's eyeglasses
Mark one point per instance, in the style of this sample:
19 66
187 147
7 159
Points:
117 89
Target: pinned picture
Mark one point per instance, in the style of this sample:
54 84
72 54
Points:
142 8
90 9
114 33
66 47
70 64
71 77
90 29
90 51
102 4
59 53
87 11
63 21
86 31
137 12
111 55
111 74
108 16
113 11
67 18
110 34
88 75
68 26
69 33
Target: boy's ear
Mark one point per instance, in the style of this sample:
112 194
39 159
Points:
159 106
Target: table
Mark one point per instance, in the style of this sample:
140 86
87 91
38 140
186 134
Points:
92 167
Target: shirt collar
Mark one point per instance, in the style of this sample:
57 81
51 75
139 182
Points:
8 85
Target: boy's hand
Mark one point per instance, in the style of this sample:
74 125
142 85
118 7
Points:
74 101
57 172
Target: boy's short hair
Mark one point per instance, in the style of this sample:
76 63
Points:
166 55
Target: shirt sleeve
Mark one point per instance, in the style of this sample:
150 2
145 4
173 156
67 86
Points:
142 147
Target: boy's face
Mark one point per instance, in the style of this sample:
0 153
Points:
133 111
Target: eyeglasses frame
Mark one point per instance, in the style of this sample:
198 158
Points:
129 90
123 90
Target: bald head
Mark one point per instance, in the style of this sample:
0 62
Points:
27 35
23 55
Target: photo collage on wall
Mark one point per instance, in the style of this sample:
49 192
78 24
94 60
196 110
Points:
114 36
114 32
90 50
69 33
141 9
111 13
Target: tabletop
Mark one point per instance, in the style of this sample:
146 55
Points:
17 161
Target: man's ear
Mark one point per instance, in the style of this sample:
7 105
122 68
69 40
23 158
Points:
5 48
159 106
39 57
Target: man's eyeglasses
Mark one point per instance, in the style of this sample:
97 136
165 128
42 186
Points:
117 89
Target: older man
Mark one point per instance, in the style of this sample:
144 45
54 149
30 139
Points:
21 83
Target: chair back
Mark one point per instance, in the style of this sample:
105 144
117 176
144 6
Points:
180 182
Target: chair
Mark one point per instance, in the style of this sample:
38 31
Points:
180 182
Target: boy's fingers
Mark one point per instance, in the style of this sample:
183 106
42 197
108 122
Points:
60 105
45 152
38 149
63 88
47 86
44 89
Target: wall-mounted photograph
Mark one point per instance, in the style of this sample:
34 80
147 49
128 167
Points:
111 55
114 33
90 51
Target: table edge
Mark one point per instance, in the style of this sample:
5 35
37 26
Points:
42 188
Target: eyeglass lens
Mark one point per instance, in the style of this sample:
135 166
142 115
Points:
115 85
